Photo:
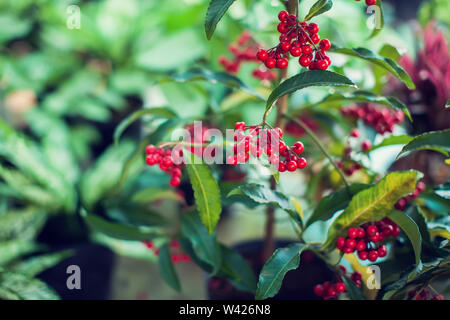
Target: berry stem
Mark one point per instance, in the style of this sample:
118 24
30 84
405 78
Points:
317 142
280 122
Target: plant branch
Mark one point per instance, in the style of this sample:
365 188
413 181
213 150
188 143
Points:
319 144
280 122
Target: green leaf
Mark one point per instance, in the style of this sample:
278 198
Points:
166 268
157 112
206 194
353 292
392 140
411 230
389 51
334 202
215 77
319 7
367 96
264 195
378 30
238 270
374 203
120 231
274 270
25 288
35 265
307 79
205 245
435 140
216 10
385 63
13 249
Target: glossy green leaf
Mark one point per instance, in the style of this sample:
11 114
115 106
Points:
435 140
238 270
13 249
215 77
392 140
265 195
167 269
374 203
367 96
216 10
274 270
319 7
334 202
120 231
156 112
25 288
35 265
307 79
411 230
385 63
205 245
353 292
206 194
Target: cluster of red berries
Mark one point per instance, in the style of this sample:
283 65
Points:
331 290
164 158
370 2
174 246
425 294
245 51
297 39
382 119
365 238
268 141
401 204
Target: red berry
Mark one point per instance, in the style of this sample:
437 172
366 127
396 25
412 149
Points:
361 233
371 230
373 255
282 146
315 38
420 186
331 292
318 290
356 276
150 160
400 205
350 243
304 61
167 161
306 49
366 145
340 287
298 147
340 244
322 64
361 245
313 27
150 149
382 251
282 63
354 133
291 165
352 233
285 46
283 15
262 55
282 167
363 255
301 163
239 126
371 2
343 269
325 44
175 182
270 63
283 27
176 172
296 51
